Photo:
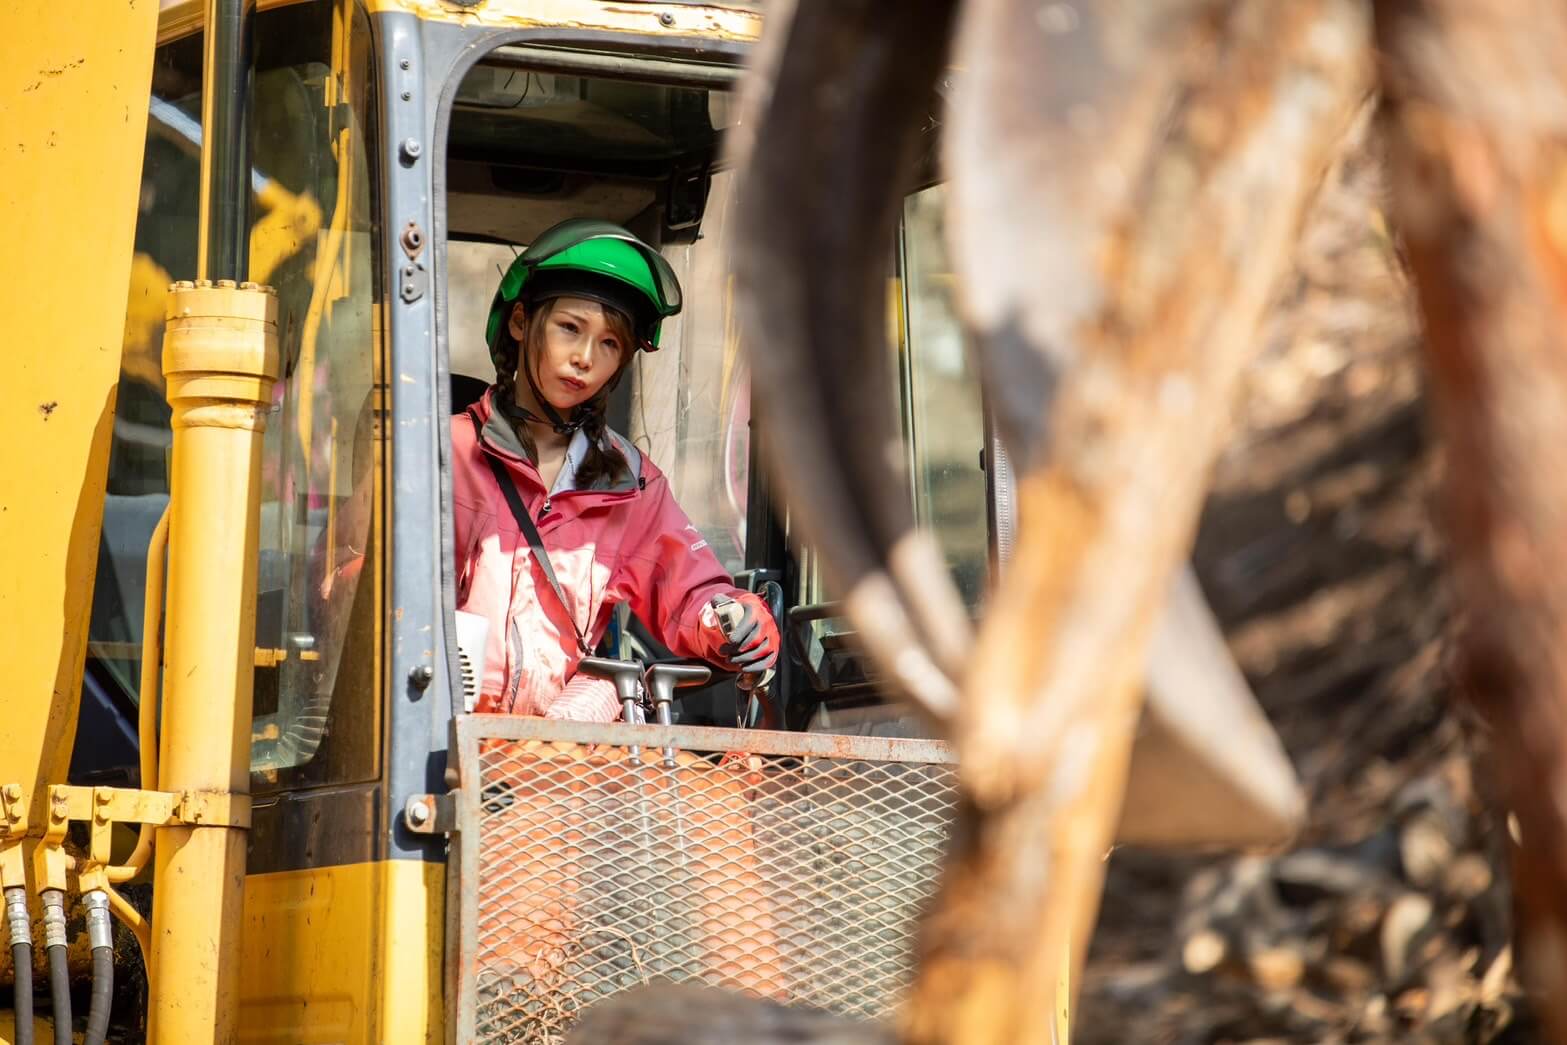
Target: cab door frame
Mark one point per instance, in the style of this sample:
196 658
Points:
422 66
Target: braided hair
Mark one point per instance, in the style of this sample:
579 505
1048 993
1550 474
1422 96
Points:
603 460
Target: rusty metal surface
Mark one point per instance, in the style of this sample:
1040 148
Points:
709 738
789 865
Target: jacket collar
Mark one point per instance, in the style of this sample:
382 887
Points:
500 437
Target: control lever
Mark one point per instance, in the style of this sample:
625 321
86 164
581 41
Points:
730 613
755 686
662 680
627 677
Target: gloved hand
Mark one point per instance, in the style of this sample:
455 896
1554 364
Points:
750 645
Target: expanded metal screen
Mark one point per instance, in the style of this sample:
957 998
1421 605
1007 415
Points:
792 866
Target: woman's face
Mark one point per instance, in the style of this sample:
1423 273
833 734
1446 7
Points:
579 355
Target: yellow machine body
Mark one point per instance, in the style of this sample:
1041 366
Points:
346 953
73 106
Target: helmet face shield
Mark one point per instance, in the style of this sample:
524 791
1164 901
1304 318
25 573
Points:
592 249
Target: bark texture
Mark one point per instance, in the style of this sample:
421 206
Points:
831 123
1476 121
1140 170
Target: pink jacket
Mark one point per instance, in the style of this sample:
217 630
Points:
626 541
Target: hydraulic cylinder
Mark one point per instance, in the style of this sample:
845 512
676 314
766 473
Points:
220 359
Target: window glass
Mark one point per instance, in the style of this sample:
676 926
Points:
944 420
939 401
312 228
473 270
691 400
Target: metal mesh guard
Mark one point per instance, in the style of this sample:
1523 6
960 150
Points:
788 871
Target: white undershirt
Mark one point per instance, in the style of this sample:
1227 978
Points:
576 450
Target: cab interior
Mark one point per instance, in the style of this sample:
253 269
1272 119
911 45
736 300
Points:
530 145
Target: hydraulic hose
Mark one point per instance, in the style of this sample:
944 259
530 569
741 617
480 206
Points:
22 959
60 994
147 700
100 934
59 973
21 925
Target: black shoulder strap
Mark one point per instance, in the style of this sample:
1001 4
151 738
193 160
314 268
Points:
525 522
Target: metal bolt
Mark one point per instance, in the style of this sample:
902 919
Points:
103 798
404 64
421 675
408 96
413 239
418 813
666 19
411 150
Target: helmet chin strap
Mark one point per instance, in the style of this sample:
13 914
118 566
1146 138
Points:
579 416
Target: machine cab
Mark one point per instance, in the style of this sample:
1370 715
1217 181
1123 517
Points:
401 158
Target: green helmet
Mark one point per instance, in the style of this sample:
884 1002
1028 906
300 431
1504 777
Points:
597 260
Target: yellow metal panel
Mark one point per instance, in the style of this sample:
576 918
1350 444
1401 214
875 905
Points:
718 21
43 1027
73 118
344 954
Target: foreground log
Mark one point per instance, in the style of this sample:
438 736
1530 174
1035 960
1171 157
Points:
1127 181
1476 120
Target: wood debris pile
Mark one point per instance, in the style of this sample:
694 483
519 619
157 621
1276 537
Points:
1390 919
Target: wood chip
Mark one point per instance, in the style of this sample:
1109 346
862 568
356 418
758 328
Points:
1203 952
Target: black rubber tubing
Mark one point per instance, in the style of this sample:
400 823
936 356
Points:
102 992
22 962
60 993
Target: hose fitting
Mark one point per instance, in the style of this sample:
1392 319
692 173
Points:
55 942
100 933
101 936
19 920
54 918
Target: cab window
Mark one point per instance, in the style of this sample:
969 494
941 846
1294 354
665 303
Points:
691 401
943 428
312 238
943 419
529 148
